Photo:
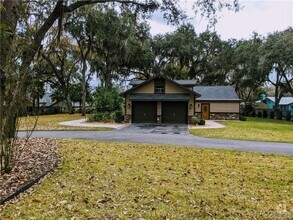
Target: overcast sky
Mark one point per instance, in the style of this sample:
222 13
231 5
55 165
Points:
261 16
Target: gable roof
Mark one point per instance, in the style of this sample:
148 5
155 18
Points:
216 93
283 101
159 76
181 82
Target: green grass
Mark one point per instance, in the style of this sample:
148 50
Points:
256 129
106 180
50 122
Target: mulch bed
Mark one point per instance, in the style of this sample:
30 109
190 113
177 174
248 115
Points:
37 157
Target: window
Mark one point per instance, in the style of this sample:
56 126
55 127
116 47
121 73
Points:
160 86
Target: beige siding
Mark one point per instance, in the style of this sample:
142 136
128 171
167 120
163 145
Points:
128 105
171 88
147 88
217 107
159 108
197 106
231 107
191 105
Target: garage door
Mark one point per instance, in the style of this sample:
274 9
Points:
144 112
175 112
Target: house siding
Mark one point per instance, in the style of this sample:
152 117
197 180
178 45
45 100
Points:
191 106
159 108
171 88
225 107
128 105
147 88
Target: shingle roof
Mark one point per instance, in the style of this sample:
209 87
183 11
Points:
181 82
159 97
214 93
136 82
283 101
186 82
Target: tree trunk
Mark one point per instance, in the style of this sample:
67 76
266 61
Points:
69 104
38 104
277 99
288 82
83 85
34 105
8 119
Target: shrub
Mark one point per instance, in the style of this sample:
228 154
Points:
118 117
101 117
259 114
201 122
272 115
253 114
107 100
242 118
195 120
248 108
265 114
288 115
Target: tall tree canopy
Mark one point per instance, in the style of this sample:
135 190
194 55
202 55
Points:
25 29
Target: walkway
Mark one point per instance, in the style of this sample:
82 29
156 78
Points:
84 123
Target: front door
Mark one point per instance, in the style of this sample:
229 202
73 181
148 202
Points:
205 111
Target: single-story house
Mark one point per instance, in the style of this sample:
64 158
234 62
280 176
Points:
161 100
285 104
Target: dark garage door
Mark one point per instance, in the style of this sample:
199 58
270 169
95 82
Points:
175 112
144 112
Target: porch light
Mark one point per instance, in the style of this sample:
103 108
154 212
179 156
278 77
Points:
128 105
198 105
190 105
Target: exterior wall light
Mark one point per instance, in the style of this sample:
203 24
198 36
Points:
190 105
128 105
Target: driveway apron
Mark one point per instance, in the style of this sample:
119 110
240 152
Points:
143 128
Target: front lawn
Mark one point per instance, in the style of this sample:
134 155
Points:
106 180
50 122
256 129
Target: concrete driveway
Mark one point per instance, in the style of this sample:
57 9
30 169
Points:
144 128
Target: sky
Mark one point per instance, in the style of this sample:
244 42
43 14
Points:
261 16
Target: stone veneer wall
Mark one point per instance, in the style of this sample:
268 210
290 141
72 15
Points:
224 116
189 119
220 116
127 118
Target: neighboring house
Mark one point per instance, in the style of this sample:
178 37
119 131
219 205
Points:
267 103
46 100
161 100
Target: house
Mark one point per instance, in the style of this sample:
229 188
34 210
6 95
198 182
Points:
161 100
267 103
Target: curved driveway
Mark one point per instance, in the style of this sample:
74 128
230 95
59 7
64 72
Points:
176 136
